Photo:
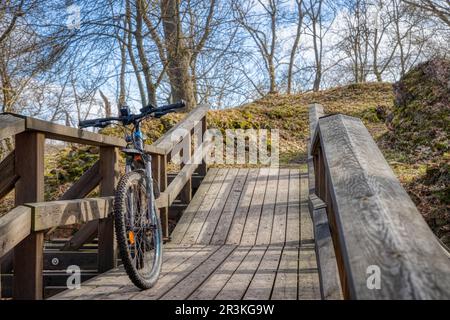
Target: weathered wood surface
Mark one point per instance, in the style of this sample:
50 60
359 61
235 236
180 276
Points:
10 125
326 257
83 186
28 254
376 222
315 112
46 215
8 176
330 287
177 184
14 227
233 207
110 172
203 262
172 137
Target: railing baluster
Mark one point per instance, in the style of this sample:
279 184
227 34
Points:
28 255
109 171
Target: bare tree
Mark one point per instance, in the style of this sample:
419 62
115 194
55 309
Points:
265 44
355 42
379 28
300 16
438 8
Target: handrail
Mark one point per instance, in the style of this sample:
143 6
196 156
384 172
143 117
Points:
330 287
384 248
23 228
12 124
168 141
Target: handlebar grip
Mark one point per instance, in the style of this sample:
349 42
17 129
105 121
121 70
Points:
87 123
178 105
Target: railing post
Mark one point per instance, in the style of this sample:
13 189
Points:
159 171
109 171
203 167
186 192
28 255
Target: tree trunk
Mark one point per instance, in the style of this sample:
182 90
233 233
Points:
151 90
295 46
178 55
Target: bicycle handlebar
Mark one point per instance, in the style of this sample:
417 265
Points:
132 118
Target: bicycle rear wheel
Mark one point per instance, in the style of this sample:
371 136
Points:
138 231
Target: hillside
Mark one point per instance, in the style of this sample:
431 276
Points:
423 174
289 114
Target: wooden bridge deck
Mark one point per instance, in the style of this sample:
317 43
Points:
246 234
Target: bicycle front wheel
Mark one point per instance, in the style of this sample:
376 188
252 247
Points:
138 230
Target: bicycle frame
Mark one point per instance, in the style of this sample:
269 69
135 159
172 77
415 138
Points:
135 155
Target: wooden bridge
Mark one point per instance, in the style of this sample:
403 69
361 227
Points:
343 228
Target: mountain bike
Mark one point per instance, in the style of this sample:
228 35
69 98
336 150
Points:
136 220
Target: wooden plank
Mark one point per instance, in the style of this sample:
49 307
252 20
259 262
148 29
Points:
10 125
224 224
50 279
58 260
267 214
123 287
286 281
280 215
189 214
84 235
166 143
174 257
240 216
203 167
376 222
196 179
163 210
83 186
293 215
179 182
46 215
215 282
202 213
8 176
306 225
169 281
210 224
28 255
188 285
105 279
330 287
74 135
309 284
107 246
262 283
254 213
315 112
308 278
14 227
240 280
186 153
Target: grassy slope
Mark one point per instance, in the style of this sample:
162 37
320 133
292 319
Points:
289 114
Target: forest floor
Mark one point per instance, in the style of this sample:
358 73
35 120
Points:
372 102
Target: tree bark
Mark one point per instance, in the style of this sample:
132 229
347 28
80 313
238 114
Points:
178 55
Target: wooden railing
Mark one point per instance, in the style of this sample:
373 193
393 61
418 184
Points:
383 247
22 229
